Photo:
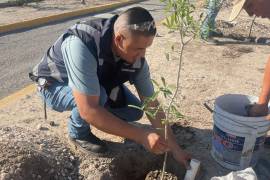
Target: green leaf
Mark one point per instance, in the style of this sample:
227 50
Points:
172 47
150 114
155 83
163 81
135 107
154 96
167 91
176 112
167 56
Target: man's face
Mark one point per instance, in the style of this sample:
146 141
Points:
260 8
132 47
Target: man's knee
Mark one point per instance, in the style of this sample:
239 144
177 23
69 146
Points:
136 115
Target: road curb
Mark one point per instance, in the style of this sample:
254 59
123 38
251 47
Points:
44 20
17 95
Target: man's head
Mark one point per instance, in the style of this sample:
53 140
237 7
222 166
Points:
134 31
259 8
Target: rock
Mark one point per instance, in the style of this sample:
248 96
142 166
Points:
18 170
39 127
102 168
7 129
52 123
71 158
4 176
96 165
19 159
41 146
6 169
51 171
70 165
12 170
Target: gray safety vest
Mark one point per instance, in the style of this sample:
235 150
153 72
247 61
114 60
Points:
97 35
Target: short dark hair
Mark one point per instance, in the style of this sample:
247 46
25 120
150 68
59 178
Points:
139 21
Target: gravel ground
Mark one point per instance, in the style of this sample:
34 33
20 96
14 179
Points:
28 154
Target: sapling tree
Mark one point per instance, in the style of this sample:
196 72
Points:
179 19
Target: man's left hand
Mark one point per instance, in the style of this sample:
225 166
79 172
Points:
182 157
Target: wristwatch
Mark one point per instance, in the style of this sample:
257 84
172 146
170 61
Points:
42 82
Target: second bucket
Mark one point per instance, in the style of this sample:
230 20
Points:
237 139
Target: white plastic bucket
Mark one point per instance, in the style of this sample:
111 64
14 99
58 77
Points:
237 139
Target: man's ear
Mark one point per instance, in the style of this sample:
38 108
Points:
119 38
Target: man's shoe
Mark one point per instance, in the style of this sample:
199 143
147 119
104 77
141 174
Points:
90 144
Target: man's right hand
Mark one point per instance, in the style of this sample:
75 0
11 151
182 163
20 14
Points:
153 142
256 110
259 8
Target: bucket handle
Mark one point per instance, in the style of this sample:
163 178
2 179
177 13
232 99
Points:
206 105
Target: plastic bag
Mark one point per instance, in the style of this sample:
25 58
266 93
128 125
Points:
247 174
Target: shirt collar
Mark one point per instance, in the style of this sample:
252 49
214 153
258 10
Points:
106 38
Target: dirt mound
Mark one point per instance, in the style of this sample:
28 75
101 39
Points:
31 155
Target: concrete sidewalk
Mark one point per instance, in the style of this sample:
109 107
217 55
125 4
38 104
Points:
56 8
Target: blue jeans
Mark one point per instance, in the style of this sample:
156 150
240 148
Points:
59 97
208 24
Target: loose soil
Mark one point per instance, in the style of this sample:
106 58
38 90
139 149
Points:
208 71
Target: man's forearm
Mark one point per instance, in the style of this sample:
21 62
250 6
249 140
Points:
265 93
107 122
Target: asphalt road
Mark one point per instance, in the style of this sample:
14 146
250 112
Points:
20 51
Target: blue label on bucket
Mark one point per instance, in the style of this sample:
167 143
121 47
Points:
228 148
227 140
